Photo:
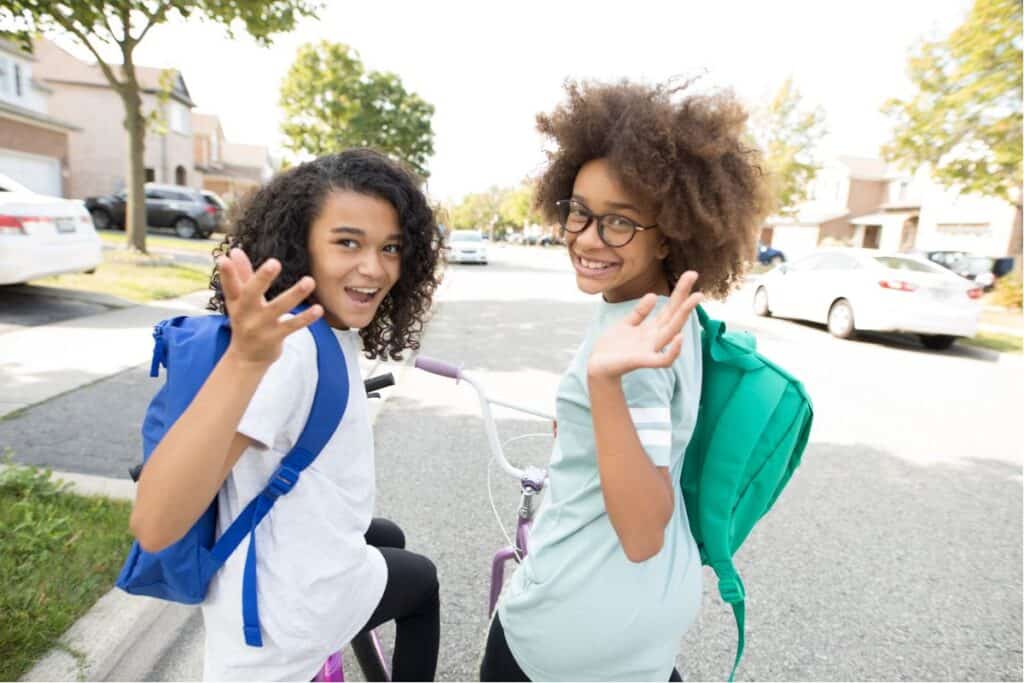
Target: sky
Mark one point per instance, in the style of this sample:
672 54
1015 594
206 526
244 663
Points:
490 67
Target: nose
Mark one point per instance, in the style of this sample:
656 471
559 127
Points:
371 265
589 238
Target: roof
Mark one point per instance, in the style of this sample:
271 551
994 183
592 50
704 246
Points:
253 156
57 65
882 218
37 117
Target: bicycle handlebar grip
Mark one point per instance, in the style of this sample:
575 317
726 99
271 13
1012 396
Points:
379 382
437 367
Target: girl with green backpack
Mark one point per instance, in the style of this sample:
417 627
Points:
659 197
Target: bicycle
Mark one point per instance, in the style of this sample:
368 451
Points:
367 648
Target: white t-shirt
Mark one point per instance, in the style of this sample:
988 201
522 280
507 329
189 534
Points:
318 582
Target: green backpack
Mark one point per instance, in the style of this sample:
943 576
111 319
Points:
752 428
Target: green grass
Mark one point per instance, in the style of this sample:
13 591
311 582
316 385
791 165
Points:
59 553
1006 343
118 238
135 277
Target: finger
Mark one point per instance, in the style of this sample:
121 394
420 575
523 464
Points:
292 297
684 285
664 357
244 264
642 309
675 324
263 277
229 283
304 319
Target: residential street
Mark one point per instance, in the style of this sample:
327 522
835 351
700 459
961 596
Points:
894 554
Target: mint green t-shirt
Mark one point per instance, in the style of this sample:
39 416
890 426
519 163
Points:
578 608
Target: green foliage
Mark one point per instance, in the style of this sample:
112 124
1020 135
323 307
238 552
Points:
59 553
499 208
965 118
331 102
788 135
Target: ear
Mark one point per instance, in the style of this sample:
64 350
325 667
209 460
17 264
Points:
664 248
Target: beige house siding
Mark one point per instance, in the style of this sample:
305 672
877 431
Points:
98 152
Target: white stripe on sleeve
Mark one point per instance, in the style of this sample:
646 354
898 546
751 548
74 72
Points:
645 415
655 437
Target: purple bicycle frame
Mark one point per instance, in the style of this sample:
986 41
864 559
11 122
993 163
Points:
502 557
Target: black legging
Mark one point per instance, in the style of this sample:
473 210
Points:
411 599
499 664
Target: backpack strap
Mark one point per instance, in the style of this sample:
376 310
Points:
741 428
329 402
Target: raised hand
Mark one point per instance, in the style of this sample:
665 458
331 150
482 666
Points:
643 341
258 328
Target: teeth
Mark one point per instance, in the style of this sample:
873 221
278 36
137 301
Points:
365 290
596 265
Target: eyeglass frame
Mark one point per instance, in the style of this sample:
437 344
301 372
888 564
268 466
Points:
637 227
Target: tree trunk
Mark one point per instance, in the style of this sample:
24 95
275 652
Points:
135 211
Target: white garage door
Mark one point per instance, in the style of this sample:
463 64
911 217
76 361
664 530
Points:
37 173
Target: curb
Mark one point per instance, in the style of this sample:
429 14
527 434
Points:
124 637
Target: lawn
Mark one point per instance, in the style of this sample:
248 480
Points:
136 277
118 238
59 553
997 342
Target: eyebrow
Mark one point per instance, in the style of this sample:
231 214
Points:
611 205
359 232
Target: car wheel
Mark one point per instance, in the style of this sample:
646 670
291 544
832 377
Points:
101 219
761 302
185 228
937 342
840 319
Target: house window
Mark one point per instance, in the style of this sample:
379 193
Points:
965 229
178 116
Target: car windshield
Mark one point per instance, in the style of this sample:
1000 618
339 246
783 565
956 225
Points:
977 265
899 263
466 236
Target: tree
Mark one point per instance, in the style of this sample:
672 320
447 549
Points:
788 135
478 210
964 121
99 24
517 206
330 102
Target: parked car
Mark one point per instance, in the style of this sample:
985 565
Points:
466 246
184 209
42 235
984 270
551 241
769 256
864 289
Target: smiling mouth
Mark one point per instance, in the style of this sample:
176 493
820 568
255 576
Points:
592 267
362 295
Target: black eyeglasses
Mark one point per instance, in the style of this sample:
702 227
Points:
613 229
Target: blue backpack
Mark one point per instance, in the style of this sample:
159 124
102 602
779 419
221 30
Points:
190 347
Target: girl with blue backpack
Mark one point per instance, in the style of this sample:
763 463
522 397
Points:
651 186
351 238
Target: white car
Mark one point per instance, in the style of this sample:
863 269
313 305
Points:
467 246
42 235
864 289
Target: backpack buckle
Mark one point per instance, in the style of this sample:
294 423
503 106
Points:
731 590
283 481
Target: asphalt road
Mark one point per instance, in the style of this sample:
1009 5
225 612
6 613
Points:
894 554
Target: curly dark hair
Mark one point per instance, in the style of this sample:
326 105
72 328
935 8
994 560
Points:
274 221
685 157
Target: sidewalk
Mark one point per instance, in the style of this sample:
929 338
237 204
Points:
122 637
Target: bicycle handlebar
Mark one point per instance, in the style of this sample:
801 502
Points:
438 367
